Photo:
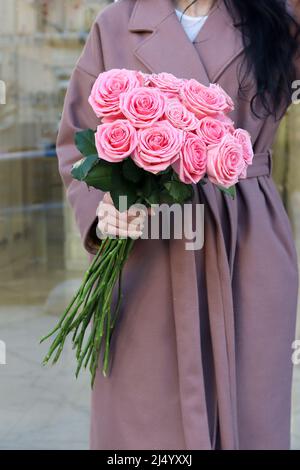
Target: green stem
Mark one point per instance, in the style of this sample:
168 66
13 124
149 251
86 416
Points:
66 324
78 294
92 303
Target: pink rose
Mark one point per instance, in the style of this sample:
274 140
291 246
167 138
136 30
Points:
143 106
228 123
225 162
192 163
179 116
115 141
158 147
147 78
108 119
229 102
211 130
244 139
105 94
167 83
203 100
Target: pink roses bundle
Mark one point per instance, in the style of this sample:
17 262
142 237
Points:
158 135
162 121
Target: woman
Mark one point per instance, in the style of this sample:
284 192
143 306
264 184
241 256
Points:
202 354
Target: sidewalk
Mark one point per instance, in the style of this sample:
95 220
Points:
40 408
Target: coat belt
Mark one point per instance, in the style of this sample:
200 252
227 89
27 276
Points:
261 166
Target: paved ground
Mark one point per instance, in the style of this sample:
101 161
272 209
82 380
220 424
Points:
46 408
40 408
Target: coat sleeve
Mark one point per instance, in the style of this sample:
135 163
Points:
78 115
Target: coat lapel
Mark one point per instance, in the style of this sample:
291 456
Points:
168 49
219 42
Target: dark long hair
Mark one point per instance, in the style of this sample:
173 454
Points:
271 39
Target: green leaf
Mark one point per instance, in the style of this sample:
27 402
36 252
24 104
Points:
175 177
229 191
154 197
101 176
179 191
166 172
85 142
131 171
81 168
108 176
128 191
166 176
150 186
123 187
166 198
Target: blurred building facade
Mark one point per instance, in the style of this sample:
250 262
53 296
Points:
40 41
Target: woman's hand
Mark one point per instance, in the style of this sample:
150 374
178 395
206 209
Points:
112 223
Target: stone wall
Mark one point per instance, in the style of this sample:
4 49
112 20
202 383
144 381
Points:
40 41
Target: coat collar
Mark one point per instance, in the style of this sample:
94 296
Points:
168 49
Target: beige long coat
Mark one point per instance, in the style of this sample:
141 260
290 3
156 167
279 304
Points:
202 355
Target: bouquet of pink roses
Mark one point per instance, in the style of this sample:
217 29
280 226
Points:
158 135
